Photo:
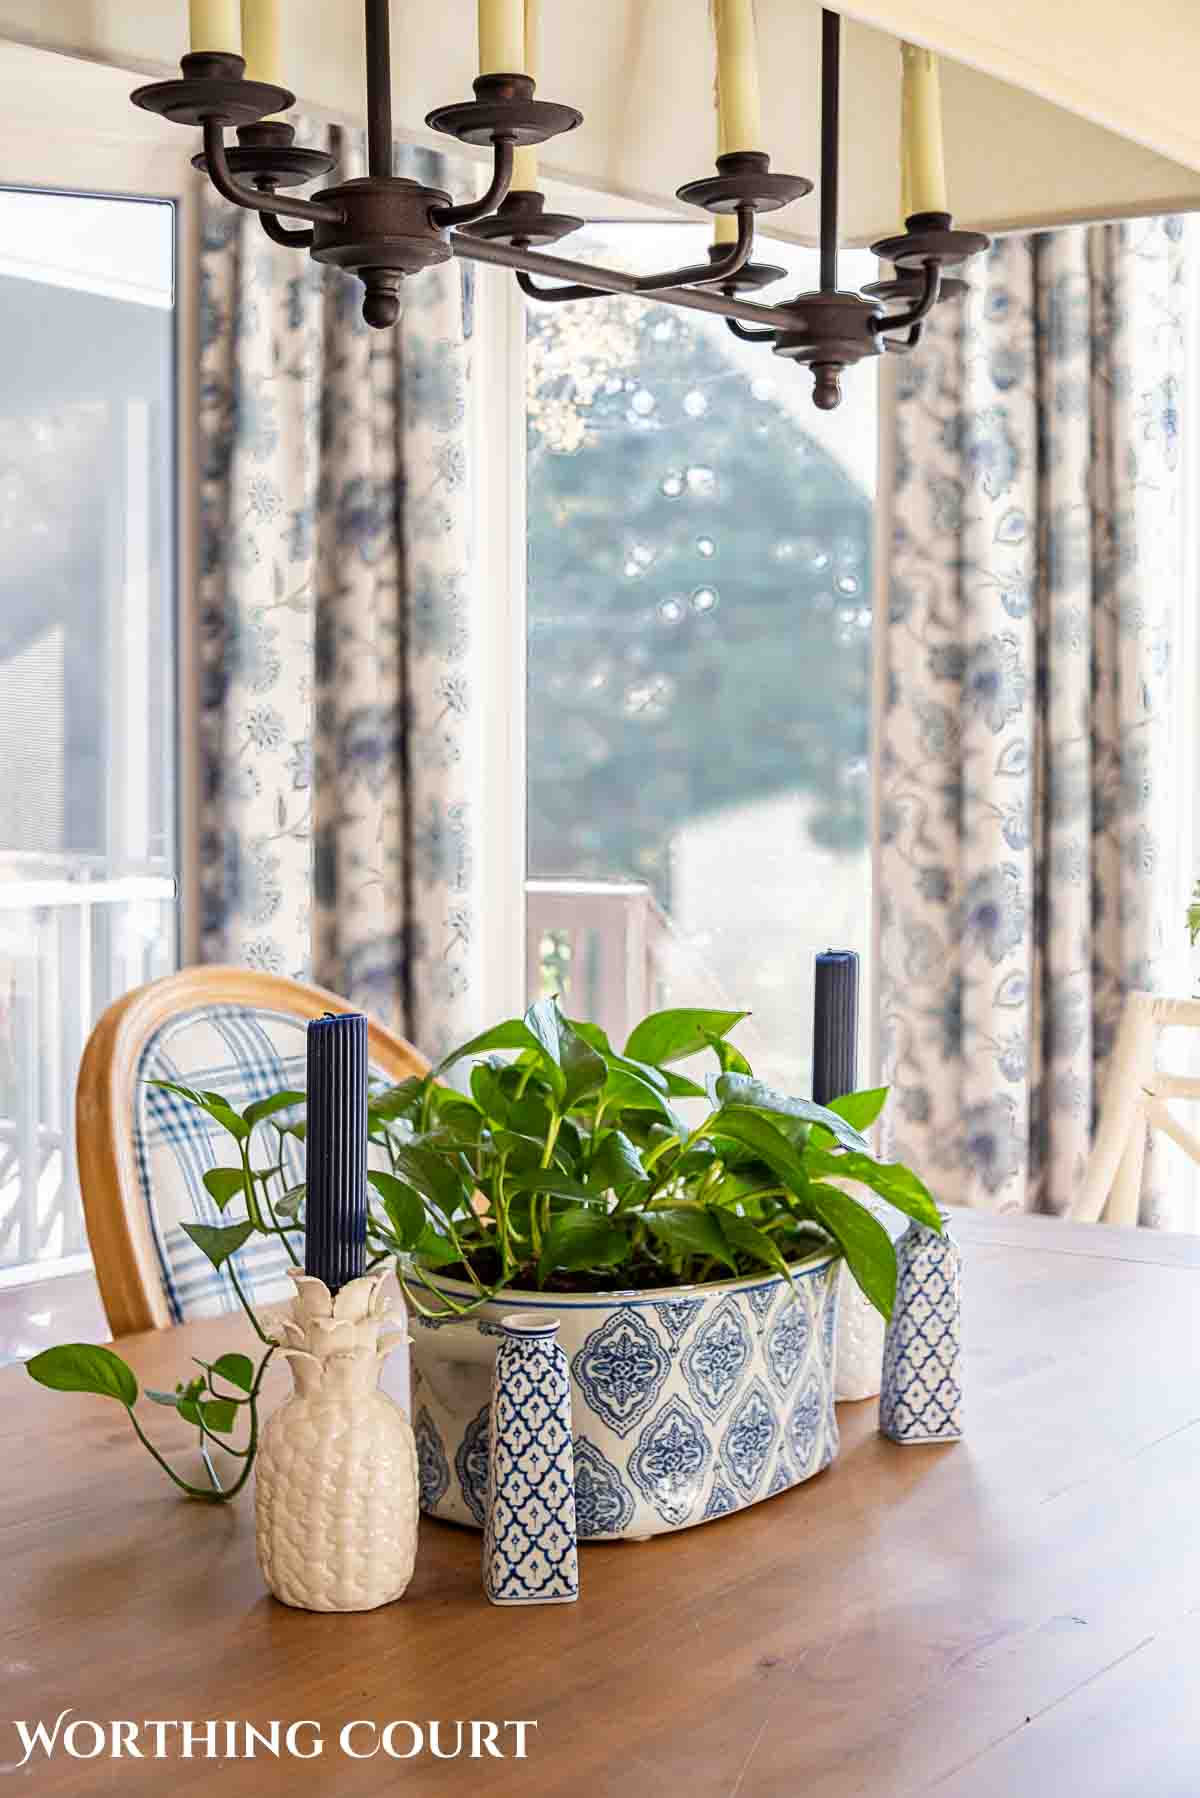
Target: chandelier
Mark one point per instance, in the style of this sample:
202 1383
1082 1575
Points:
384 227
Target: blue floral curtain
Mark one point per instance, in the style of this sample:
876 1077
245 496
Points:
339 770
1026 804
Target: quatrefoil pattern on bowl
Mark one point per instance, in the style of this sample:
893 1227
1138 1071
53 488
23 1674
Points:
675 1316
433 1471
621 1369
717 1358
471 1465
747 1443
603 1503
786 1344
671 1458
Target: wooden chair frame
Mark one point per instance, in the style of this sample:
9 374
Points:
1133 1098
122 1243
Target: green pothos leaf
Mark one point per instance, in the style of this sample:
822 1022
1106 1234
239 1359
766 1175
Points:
218 1241
692 1232
85 1367
224 1184
862 1239
579 1239
403 1205
237 1369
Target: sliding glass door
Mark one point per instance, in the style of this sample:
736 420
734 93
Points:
88 855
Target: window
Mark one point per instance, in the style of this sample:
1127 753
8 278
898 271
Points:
87 701
699 612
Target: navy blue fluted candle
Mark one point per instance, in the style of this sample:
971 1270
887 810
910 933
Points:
335 1235
835 1025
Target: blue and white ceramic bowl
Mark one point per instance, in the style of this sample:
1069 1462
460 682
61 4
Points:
687 1403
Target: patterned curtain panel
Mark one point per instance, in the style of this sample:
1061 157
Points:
1025 758
339 776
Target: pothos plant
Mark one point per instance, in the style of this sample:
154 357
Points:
560 1164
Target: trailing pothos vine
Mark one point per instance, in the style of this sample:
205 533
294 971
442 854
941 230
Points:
560 1164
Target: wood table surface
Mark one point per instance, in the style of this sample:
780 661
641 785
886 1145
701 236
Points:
1015 1614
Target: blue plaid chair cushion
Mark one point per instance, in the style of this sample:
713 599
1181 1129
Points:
244 1055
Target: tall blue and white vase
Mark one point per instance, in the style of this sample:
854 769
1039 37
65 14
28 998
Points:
530 1554
921 1397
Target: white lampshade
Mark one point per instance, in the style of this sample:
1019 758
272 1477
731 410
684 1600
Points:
1054 110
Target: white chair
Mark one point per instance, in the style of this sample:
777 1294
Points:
1135 1096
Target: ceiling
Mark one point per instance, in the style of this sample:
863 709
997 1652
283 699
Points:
1103 125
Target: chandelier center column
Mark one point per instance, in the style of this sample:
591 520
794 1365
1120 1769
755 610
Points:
379 88
831 81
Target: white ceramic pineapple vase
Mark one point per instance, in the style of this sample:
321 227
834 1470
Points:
529 1538
336 1478
921 1396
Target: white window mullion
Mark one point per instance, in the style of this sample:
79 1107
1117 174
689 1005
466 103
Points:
1187 663
498 388
870 1028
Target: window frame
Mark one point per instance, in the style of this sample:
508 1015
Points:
498 656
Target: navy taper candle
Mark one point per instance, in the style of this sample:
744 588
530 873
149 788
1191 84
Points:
835 1025
335 1235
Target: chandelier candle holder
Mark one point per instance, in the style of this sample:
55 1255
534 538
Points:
384 227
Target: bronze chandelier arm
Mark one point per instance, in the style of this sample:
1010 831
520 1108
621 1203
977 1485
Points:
748 333
708 273
573 291
291 240
444 217
611 280
904 321
735 258
230 188
900 347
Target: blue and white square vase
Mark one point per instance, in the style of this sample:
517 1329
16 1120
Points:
921 1390
687 1403
530 1553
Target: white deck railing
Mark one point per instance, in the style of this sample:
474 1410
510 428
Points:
68 947
595 944
612 953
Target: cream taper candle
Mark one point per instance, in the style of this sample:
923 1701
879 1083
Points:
724 223
924 158
215 25
501 37
525 161
261 41
737 75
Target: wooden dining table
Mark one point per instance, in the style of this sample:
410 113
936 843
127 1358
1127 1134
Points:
1014 1614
